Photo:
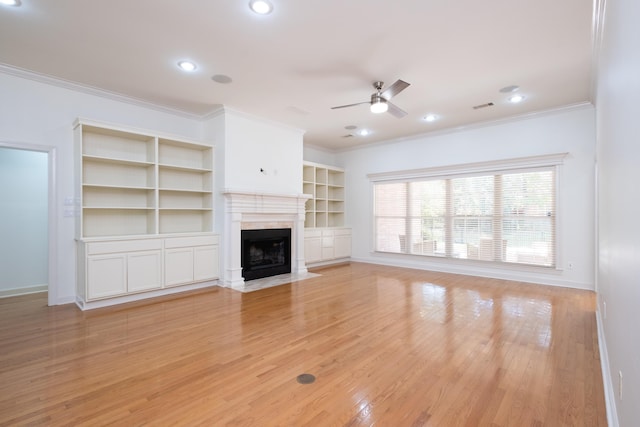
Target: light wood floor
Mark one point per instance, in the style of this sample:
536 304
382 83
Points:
388 346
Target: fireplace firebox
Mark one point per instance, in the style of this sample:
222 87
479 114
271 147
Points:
265 252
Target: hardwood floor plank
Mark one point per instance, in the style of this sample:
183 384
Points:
388 346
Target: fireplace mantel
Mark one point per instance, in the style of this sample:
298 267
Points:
245 209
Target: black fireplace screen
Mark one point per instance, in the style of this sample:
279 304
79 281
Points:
266 252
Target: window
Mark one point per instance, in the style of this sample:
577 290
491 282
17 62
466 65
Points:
506 215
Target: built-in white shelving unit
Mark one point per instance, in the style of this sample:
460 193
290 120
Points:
326 186
185 185
136 191
118 182
138 184
327 240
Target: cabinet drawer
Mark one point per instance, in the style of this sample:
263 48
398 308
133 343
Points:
327 233
342 231
123 246
183 242
312 233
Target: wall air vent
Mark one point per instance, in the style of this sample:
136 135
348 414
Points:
488 104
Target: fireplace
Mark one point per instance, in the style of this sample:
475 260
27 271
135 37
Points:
252 211
265 252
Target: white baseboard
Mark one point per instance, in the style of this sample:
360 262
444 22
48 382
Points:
329 262
88 305
515 273
609 390
5 293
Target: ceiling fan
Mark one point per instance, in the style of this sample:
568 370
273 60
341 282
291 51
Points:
380 99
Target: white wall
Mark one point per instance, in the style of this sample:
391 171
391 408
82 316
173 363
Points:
214 130
252 144
23 220
33 113
618 155
571 131
319 155
252 155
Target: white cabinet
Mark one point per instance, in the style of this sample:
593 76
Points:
190 259
146 212
205 262
119 267
178 267
312 246
325 184
124 266
342 243
143 271
327 244
107 275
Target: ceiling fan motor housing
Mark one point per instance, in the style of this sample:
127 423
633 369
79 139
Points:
377 99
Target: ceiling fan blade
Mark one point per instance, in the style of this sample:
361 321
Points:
396 111
350 105
394 89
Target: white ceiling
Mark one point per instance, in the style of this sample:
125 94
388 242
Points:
306 56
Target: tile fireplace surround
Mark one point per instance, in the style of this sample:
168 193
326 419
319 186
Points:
251 211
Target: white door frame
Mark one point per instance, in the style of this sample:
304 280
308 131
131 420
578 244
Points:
52 223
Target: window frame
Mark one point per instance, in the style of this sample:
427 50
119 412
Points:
496 167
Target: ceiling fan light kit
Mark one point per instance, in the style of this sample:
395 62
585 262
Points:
380 99
378 104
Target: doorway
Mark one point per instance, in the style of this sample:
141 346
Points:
26 220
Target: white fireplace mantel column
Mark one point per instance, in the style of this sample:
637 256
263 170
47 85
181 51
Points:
265 210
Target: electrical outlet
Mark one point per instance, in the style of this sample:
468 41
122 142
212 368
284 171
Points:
620 385
570 265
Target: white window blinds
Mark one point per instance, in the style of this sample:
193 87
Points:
502 216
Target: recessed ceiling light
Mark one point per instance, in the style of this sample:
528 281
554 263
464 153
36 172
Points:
430 118
10 2
510 89
363 132
261 7
187 65
516 98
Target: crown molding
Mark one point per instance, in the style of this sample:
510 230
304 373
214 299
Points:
473 126
543 160
91 90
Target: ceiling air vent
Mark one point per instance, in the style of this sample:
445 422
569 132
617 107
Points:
488 104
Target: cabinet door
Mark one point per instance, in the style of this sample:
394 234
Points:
106 276
312 249
342 246
205 263
327 245
143 271
178 266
